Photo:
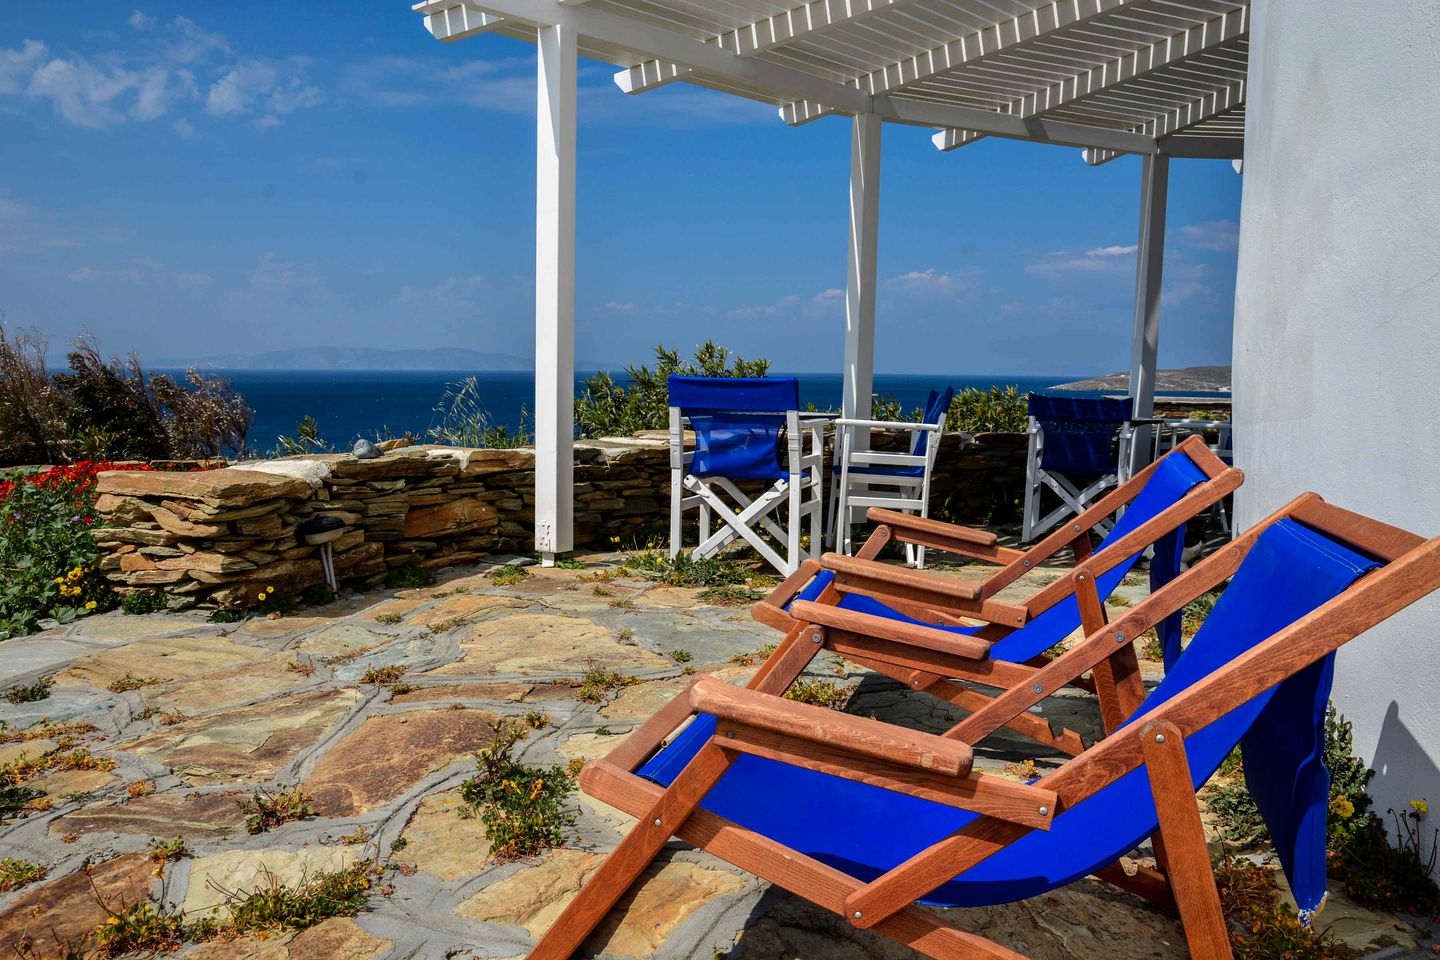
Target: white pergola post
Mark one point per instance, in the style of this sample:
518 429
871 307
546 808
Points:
1145 336
860 281
555 294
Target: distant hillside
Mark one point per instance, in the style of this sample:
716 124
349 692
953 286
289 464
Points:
354 358
1200 379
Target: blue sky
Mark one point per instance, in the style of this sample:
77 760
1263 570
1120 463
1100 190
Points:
194 180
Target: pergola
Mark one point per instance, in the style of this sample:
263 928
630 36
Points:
1158 78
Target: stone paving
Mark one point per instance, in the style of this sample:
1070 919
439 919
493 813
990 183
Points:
216 711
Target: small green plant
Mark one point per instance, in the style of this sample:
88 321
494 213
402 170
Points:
731 595
317 595
407 576
597 685
683 570
1150 648
1399 877
565 563
523 808
625 635
15 874
461 420
265 810
306 440
168 718
1261 926
131 682
622 603
1193 617
750 659
139 928
140 602
165 851
681 656
820 693
226 615
536 720
390 619
1118 601
384 676
22 693
508 574
273 905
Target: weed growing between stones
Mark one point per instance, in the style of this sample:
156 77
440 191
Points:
164 851
1392 878
568 564
597 685
384 676
508 575
131 682
750 659
683 570
731 595
389 619
139 928
681 656
67 734
536 720
140 788
300 667
317 595
15 874
265 810
1261 926
225 615
523 808
39 690
408 575
1195 612
622 603
1150 648
140 602
820 693
168 718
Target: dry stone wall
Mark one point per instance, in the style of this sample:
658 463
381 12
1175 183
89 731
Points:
220 538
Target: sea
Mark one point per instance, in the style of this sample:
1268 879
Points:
348 405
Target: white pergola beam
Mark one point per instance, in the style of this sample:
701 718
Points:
1015 128
555 292
1181 46
456 22
952 139
861 277
1149 272
794 24
1164 127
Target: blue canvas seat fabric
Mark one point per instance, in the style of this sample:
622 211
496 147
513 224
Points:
866 830
937 406
1079 431
1174 477
737 423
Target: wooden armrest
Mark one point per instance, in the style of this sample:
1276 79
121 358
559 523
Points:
771 610
885 573
867 738
936 528
894 631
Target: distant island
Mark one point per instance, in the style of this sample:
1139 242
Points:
1198 379
360 358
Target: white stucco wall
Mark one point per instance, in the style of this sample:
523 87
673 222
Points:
1337 321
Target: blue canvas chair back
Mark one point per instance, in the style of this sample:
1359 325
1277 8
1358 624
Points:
1079 431
737 423
936 408
1175 475
866 830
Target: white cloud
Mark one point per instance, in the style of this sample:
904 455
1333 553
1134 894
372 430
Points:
1221 235
1096 260
277 276
142 270
1115 251
834 293
458 293
155 76
931 283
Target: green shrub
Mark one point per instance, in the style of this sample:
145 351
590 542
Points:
15 874
1261 926
461 420
407 576
1388 877
509 574
820 693
730 595
604 408
993 410
139 928
140 602
278 906
523 808
683 570
598 684
307 440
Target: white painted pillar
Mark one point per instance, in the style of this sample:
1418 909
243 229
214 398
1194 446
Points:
860 281
555 294
1149 268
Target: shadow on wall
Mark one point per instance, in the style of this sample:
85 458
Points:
1401 763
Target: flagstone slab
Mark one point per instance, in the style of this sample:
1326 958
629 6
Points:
338 938
65 912
257 680
508 692
193 816
169 658
465 607
341 640
667 895
211 880
265 627
544 643
246 744
388 754
445 839
398 607
118 627
62 783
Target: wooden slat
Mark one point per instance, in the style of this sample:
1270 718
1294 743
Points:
994 673
1378 539
906 581
992 796
904 523
646 738
857 735
895 631
789 659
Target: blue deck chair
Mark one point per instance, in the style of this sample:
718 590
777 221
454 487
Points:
746 429
866 606
869 820
1070 440
861 478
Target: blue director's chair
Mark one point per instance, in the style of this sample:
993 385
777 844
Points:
1070 452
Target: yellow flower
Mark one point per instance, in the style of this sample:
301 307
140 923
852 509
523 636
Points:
59 579
90 605
1342 807
1420 806
269 589
260 595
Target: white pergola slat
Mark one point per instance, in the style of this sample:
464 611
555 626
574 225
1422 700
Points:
1158 78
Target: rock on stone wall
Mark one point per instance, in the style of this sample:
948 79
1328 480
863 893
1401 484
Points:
221 537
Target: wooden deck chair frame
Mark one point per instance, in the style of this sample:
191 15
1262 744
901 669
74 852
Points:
906 493
801 491
1073 499
931 660
756 720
